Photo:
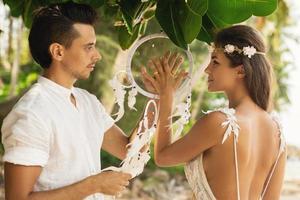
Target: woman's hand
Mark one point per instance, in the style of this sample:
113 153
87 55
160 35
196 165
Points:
166 78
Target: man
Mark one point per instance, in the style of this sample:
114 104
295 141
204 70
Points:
53 135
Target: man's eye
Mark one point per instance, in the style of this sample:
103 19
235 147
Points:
90 48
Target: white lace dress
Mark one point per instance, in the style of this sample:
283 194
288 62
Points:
194 170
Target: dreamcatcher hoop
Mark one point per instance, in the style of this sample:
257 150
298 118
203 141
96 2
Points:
129 61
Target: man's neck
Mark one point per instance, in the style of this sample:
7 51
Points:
59 78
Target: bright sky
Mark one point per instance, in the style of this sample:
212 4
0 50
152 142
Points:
291 116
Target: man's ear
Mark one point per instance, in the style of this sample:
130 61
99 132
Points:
57 51
240 71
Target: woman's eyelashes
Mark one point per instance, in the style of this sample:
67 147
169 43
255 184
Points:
215 62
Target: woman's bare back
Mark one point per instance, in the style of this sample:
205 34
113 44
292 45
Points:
257 150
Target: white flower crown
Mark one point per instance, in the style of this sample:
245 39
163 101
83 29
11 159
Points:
247 51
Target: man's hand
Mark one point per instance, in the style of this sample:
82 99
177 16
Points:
110 182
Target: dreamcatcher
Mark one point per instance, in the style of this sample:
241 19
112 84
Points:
136 160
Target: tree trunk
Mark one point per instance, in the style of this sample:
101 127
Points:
16 60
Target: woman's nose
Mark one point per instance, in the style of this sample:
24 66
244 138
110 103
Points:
207 70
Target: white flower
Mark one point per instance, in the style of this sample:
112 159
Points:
229 48
249 51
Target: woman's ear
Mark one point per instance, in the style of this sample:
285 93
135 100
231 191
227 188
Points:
57 51
240 71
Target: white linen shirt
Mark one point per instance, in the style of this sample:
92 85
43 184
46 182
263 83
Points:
44 128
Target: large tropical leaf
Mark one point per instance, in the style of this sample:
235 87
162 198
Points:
235 11
191 18
168 18
181 20
209 28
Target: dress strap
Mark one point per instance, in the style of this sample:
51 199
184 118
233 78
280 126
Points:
281 149
232 127
230 122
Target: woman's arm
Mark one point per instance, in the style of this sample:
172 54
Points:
206 133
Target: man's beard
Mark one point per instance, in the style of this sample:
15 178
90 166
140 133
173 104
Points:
80 76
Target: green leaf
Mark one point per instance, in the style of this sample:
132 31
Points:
48 2
235 11
129 9
190 17
16 7
168 18
93 3
148 14
27 15
199 7
209 28
206 33
126 39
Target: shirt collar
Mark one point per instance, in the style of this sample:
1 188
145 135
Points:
55 87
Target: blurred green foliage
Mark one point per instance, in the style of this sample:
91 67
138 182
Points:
109 39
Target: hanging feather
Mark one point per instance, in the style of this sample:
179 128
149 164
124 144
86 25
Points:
132 98
119 93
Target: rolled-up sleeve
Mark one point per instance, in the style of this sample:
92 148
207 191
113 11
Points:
25 138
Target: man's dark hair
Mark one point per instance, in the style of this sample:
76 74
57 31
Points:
54 23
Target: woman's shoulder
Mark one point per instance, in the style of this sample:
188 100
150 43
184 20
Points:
221 121
223 114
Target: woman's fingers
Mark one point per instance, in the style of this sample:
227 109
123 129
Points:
177 64
179 78
172 60
165 63
159 70
147 78
151 66
167 55
148 85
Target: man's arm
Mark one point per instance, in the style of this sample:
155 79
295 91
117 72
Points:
20 179
115 140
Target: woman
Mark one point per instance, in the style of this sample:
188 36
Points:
230 153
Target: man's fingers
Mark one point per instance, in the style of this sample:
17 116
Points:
126 183
126 175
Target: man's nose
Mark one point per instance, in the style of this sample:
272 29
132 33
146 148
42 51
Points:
98 56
